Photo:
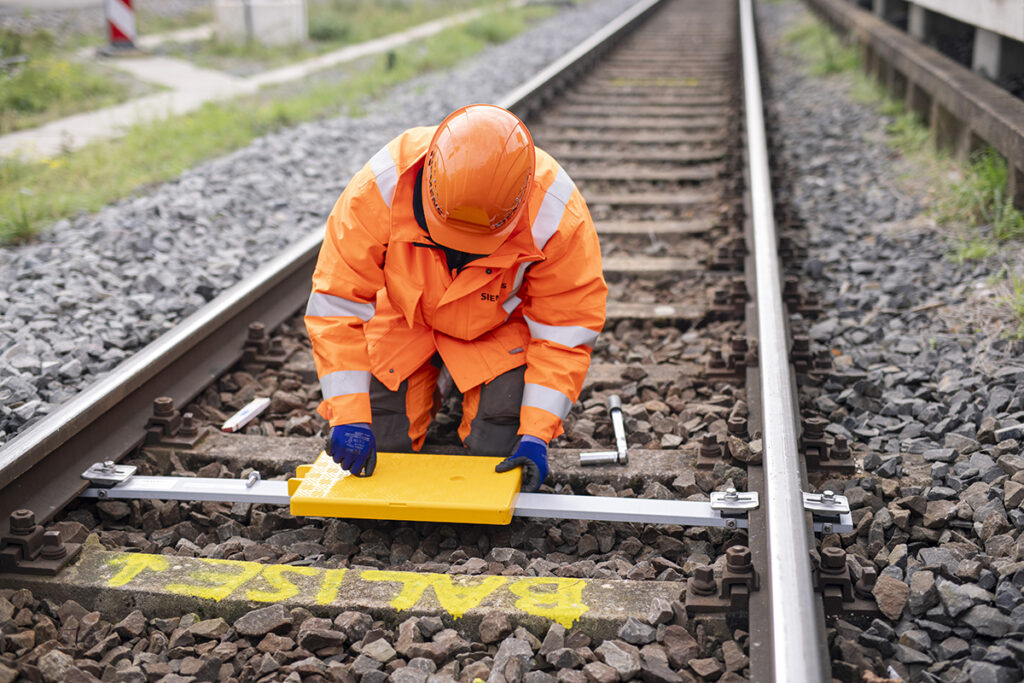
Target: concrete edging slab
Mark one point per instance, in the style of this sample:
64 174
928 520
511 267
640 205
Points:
115 583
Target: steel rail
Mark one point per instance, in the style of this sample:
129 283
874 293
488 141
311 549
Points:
799 651
40 468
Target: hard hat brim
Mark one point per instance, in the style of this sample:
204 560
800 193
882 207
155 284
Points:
461 239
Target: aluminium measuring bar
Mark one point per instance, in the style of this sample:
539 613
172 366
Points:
543 505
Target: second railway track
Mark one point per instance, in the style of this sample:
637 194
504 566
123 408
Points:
655 135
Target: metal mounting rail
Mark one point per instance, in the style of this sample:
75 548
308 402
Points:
546 505
799 651
721 511
39 468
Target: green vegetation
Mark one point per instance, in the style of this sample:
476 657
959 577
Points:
1015 302
980 199
33 195
45 86
822 49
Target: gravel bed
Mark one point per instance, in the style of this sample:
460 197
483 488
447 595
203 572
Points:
94 289
926 388
276 644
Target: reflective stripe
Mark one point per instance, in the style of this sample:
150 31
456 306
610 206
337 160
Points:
548 217
511 303
551 208
328 305
567 335
384 168
345 382
545 398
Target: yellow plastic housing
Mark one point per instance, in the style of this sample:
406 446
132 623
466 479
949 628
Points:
408 486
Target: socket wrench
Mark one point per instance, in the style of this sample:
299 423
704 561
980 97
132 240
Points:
619 455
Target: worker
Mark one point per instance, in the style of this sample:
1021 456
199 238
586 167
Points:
459 253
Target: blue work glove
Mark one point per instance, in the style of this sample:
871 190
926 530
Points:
532 456
354 448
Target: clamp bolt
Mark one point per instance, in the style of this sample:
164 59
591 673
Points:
188 425
710 447
53 547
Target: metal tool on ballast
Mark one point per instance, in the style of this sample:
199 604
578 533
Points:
619 455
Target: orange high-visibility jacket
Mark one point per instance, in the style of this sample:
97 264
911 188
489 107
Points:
384 301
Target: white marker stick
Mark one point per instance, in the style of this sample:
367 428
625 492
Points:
246 414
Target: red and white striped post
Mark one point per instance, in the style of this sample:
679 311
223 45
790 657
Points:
121 23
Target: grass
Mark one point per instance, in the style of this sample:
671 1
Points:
33 195
822 49
47 85
1015 302
980 198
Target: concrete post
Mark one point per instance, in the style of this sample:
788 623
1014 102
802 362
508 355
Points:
1015 185
988 54
269 22
917 22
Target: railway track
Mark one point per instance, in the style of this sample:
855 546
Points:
650 120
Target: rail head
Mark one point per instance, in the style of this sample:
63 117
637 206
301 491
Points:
798 650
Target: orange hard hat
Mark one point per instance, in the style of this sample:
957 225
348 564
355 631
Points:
477 180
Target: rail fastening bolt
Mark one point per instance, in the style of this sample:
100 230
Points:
22 522
737 557
833 559
163 406
828 497
814 427
256 332
738 426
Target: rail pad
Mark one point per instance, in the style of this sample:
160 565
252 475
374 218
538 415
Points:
408 486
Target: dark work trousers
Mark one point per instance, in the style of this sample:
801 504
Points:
490 412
